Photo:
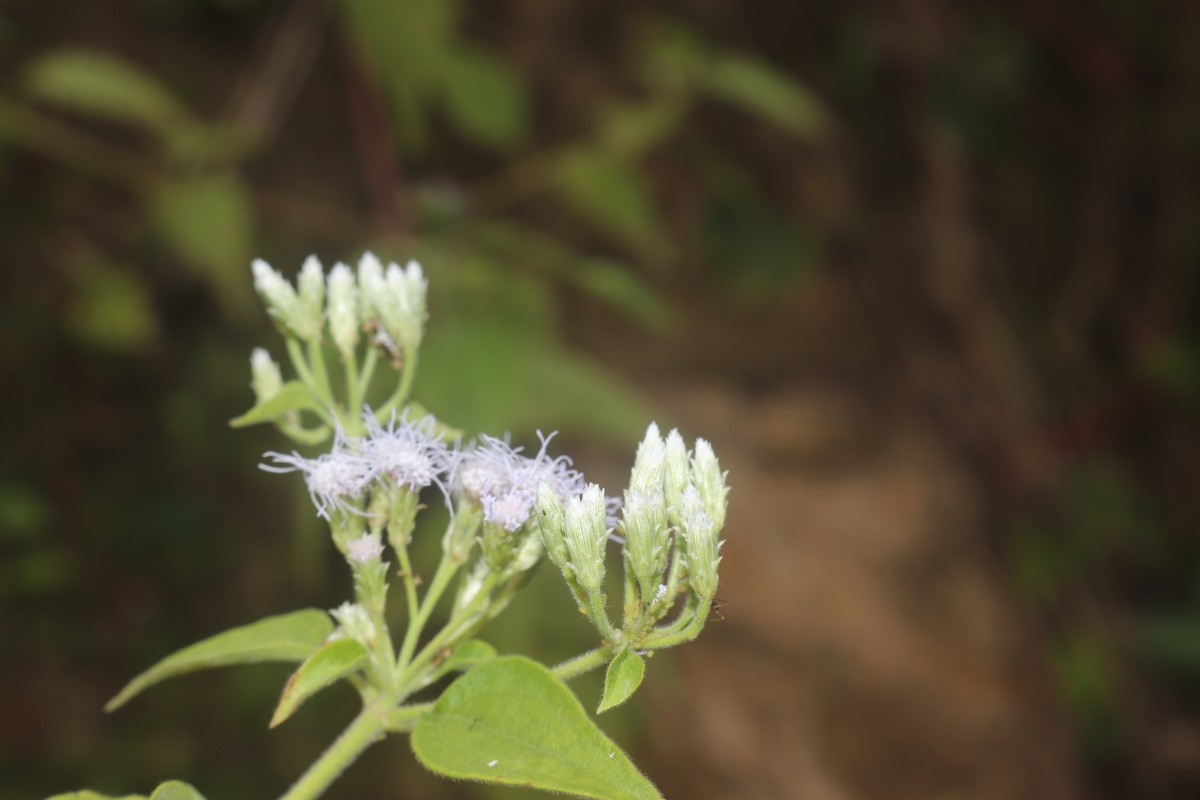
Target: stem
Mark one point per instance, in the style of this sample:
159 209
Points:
323 408
350 362
441 579
366 728
585 662
407 372
459 624
405 718
364 379
599 616
317 357
669 639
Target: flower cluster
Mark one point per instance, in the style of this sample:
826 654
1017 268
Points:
404 454
388 300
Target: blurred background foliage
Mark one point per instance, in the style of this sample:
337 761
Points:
1010 192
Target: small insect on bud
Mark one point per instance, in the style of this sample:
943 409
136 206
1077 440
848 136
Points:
586 537
343 309
265 377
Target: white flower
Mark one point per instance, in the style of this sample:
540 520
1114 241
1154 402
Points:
336 479
411 454
395 298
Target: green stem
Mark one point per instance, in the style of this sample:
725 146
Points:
366 728
459 624
667 638
599 616
324 407
407 373
585 662
364 379
317 358
350 364
405 718
441 579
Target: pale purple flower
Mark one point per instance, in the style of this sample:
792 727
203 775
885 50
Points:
505 482
408 453
336 479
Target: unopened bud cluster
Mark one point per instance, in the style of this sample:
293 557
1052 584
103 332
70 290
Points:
672 514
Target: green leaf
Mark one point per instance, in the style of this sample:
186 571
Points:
92 82
511 721
111 310
470 653
287 637
171 790
624 676
336 660
610 193
767 92
175 790
208 220
292 396
485 98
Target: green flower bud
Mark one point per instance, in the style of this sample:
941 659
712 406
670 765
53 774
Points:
265 377
710 482
700 534
647 536
587 536
343 309
356 623
311 283
647 475
676 474
283 303
552 520
402 306
370 286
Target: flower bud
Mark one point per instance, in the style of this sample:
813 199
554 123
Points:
365 549
710 482
647 475
700 534
343 309
265 377
551 519
402 306
586 536
283 303
370 286
311 283
527 554
676 474
356 623
647 537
